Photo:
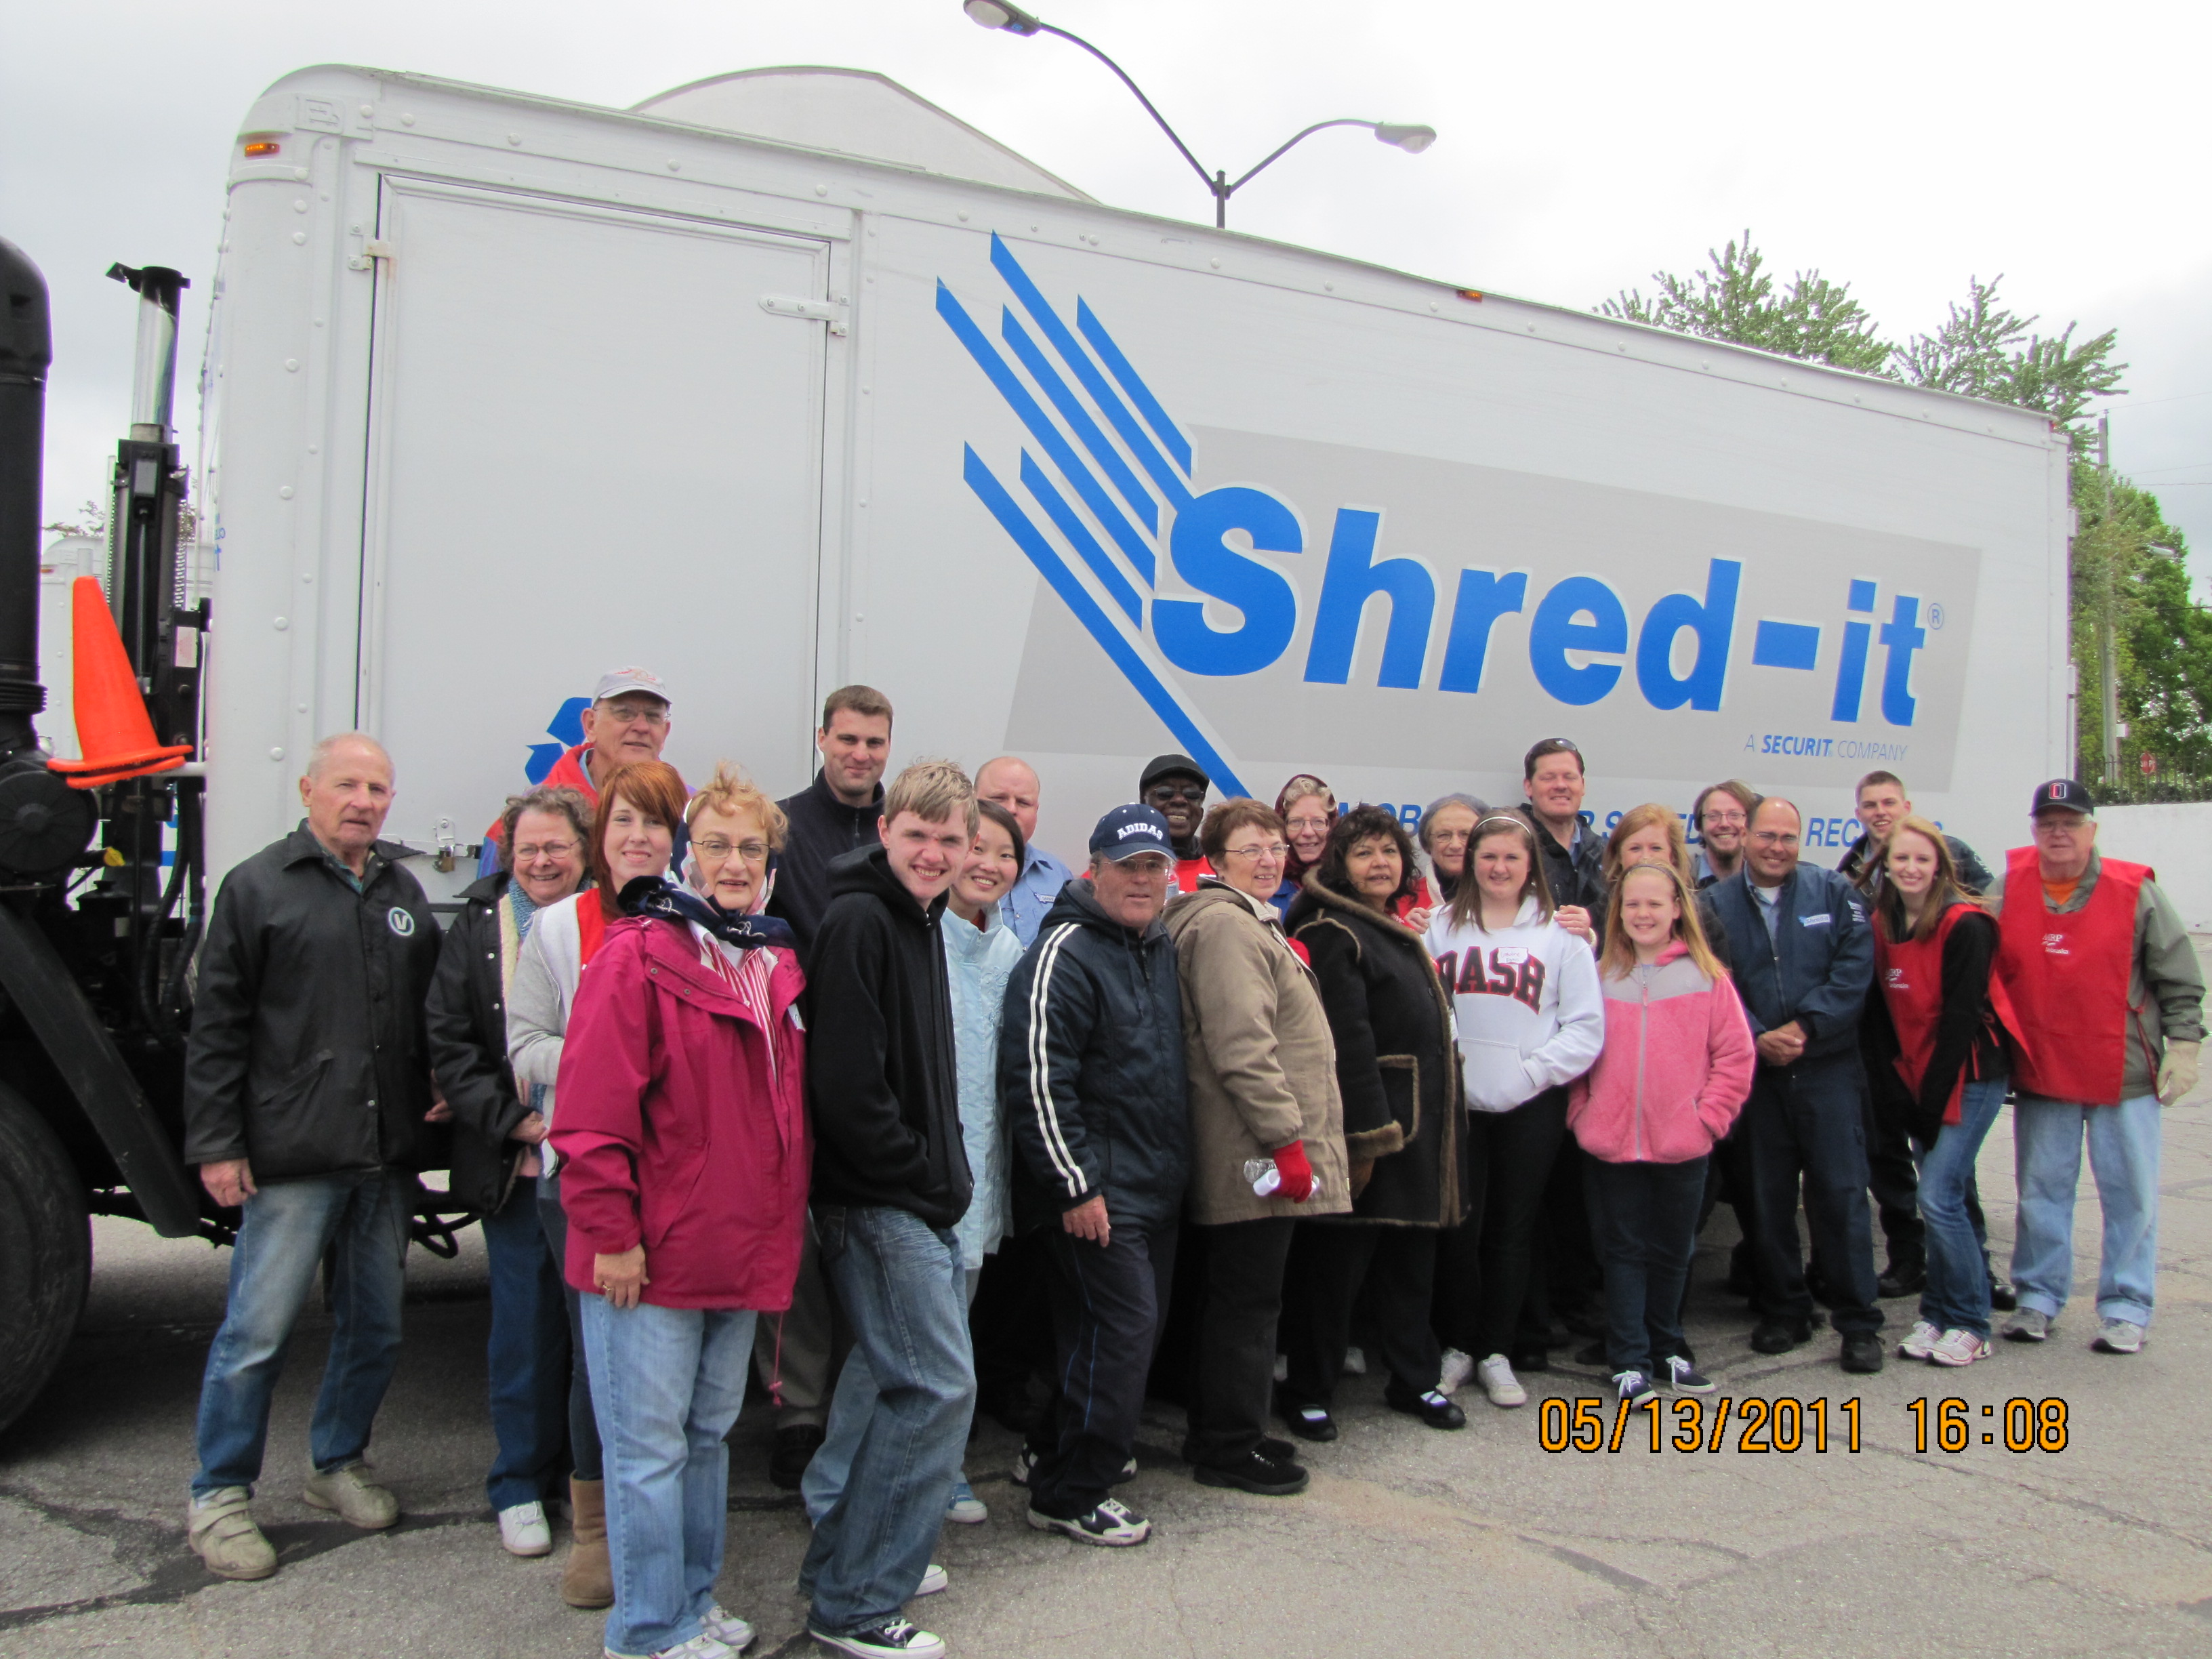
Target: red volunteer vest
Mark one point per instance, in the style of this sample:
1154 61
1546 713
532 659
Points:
2069 974
1911 975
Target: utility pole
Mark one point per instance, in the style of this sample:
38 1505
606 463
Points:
2111 672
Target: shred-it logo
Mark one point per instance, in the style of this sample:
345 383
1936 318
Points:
1111 513
2054 944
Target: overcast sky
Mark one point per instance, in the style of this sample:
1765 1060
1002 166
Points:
1902 148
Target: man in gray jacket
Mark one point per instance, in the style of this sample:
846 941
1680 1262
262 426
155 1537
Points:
307 1088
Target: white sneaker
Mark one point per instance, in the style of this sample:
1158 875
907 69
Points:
2028 1325
887 1639
1024 1466
967 1509
933 1579
725 1627
1458 1367
701 1646
1958 1347
2118 1336
1922 1341
522 1531
1355 1361
1496 1376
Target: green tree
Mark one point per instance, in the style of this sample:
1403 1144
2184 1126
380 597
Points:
2128 562
1813 318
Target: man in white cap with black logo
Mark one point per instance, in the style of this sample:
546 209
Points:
628 721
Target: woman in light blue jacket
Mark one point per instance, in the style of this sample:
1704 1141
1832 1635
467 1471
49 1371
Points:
980 952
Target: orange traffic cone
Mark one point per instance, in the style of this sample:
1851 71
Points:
112 727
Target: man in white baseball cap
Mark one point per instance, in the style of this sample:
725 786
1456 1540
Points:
628 721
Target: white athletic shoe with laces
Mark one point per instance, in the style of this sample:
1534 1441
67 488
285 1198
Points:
725 1627
1960 1347
2118 1336
522 1531
1458 1368
1920 1342
1496 1376
701 1646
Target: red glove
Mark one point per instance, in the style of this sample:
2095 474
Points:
1296 1175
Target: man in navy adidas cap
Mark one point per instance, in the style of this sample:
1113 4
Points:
1091 1078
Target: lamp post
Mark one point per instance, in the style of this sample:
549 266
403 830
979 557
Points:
1004 16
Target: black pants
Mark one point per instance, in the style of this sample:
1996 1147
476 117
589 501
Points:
1329 1261
1808 1121
1485 1261
1233 1359
1646 1216
1107 1306
1010 1322
1895 1179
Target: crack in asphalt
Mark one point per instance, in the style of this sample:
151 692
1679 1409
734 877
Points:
169 1572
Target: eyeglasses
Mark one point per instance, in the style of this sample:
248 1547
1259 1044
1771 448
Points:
1321 824
1176 791
1451 837
713 846
634 716
1273 849
1773 838
544 849
1721 820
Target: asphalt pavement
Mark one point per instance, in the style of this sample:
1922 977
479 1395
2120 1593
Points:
2096 1540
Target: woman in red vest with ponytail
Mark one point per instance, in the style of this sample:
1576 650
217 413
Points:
1942 1032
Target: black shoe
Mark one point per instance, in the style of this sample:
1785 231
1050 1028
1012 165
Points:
1281 1450
794 1449
1863 1353
2002 1297
1591 1354
1780 1335
1431 1407
1255 1473
1531 1360
1307 1422
1902 1278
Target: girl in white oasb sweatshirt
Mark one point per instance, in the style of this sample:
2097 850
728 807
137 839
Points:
1531 1020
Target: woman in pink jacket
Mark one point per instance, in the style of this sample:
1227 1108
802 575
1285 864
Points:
1674 1070
682 1134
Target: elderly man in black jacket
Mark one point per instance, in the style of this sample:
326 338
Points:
307 1088
1091 1077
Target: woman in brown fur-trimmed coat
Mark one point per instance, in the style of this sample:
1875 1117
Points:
1397 1069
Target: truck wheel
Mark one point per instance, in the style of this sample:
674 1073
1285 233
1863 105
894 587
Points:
46 1252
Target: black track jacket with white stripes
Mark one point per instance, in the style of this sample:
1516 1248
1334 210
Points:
1090 1069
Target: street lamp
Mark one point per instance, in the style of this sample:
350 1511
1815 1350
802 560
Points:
1004 16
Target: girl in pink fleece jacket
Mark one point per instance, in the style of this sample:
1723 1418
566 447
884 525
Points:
1673 1073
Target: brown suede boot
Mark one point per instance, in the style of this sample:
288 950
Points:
588 1580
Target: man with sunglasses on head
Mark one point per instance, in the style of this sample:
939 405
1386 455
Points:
1175 787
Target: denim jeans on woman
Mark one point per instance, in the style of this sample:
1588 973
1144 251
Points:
362 1221
667 1383
1957 1296
903 1287
526 1354
2047 1136
1645 1216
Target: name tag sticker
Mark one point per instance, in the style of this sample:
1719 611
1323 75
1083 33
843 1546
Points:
1506 954
1815 921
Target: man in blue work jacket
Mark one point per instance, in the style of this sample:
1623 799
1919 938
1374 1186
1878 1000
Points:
1802 954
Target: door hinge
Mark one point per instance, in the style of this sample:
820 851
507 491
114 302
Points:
371 251
831 312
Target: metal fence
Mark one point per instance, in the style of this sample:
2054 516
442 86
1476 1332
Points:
2158 789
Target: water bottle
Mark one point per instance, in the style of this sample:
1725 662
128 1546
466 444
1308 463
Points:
1264 1176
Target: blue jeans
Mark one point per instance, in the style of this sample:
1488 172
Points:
1957 1297
583 1422
850 1409
667 1382
901 1285
527 1353
362 1221
2047 1136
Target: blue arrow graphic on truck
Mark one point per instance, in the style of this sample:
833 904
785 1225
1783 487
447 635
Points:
1159 449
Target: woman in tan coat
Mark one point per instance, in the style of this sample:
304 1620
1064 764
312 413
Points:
1263 1089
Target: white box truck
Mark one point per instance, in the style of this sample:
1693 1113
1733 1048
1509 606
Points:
504 391
787 380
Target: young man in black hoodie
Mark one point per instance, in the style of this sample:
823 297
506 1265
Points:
890 1179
